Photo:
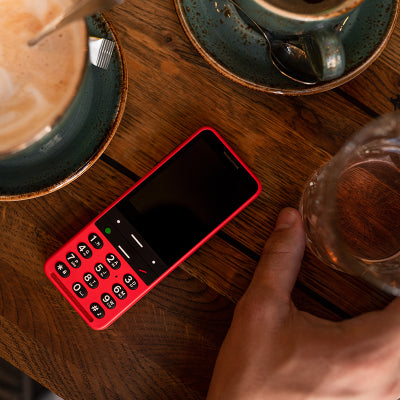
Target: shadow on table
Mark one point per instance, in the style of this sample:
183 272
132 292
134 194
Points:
15 385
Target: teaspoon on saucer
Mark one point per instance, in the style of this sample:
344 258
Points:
289 58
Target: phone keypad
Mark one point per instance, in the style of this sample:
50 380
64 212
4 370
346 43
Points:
97 278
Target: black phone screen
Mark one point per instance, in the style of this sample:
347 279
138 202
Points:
187 197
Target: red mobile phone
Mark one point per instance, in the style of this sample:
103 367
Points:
152 228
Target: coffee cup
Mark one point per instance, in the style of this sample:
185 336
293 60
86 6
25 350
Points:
316 24
38 84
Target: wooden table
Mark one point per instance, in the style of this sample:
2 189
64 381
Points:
165 346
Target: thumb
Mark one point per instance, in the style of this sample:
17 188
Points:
281 259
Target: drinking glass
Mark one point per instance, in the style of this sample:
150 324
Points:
351 206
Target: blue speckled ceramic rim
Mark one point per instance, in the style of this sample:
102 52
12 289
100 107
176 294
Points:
49 165
235 50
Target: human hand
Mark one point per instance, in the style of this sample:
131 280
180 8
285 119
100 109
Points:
273 351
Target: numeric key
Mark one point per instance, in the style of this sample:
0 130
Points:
130 281
84 250
108 301
90 280
113 261
119 291
79 290
95 241
102 271
73 260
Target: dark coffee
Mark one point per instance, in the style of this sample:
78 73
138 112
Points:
306 6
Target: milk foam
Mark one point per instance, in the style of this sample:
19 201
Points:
7 86
36 83
39 8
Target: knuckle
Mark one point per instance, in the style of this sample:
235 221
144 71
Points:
254 306
276 244
260 306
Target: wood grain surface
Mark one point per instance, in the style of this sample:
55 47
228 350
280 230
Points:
165 346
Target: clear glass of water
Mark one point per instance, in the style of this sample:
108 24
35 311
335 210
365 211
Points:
351 206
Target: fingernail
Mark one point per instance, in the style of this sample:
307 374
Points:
286 219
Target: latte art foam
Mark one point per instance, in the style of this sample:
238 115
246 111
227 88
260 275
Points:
36 83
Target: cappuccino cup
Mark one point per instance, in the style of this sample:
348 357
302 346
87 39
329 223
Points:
38 84
316 24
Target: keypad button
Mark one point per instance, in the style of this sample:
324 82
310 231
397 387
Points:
108 301
79 290
102 271
84 250
97 311
113 261
95 241
119 291
73 260
62 269
130 281
90 280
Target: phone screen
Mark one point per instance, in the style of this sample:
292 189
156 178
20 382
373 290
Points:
186 198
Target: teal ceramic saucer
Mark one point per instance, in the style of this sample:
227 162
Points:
237 51
79 139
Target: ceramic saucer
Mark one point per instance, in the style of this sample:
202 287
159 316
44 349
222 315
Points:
219 34
80 139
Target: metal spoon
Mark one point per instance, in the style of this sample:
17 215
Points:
287 57
80 9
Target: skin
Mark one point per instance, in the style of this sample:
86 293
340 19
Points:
274 351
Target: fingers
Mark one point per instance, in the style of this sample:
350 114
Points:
281 259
